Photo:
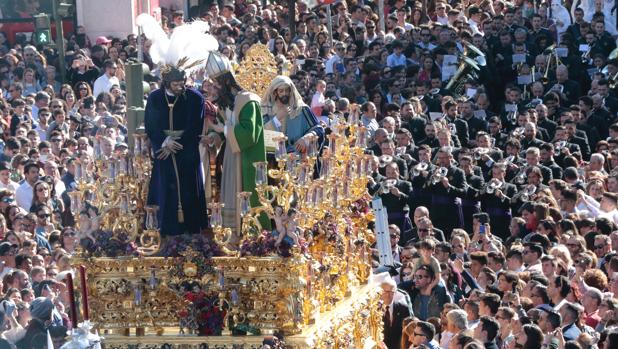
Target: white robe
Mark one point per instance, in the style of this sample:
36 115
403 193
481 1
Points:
561 16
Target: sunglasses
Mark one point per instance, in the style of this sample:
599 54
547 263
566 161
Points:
7 200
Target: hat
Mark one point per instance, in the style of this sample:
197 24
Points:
102 40
121 145
6 247
217 65
41 308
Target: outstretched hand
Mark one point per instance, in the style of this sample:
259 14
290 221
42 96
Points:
210 111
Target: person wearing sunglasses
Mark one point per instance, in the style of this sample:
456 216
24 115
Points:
44 224
423 335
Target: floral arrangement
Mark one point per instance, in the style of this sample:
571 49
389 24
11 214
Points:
107 246
204 315
264 244
176 245
360 207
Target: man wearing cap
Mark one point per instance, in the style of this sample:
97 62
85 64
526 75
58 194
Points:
103 41
173 123
244 138
45 317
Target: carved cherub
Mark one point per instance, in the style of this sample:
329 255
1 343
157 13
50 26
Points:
289 228
85 227
279 218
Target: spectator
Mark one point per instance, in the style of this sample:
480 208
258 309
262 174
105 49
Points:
428 297
395 312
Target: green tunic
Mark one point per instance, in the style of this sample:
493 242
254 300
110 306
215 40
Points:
244 146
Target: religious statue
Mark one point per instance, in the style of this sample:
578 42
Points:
285 111
243 132
286 226
174 121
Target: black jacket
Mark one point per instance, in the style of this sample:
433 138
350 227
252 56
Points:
392 329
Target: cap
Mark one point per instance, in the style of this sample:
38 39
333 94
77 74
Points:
41 308
5 247
121 145
102 40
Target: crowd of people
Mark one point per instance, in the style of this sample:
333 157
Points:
502 199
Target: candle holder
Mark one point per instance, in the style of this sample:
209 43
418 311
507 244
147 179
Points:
221 235
150 239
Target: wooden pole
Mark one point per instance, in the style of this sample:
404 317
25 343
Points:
381 13
59 41
292 17
329 23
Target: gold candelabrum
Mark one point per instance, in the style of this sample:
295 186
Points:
110 195
322 190
259 294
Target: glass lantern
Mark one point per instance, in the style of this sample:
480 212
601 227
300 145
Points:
333 143
312 147
353 119
151 217
124 204
303 174
325 169
261 170
244 203
216 216
281 151
334 195
76 202
361 137
79 172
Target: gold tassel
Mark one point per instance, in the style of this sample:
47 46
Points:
181 215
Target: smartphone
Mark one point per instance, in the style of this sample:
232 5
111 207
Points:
482 229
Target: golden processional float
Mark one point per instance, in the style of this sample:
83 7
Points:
193 292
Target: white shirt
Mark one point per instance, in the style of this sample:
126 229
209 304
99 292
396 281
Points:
329 67
442 20
104 84
60 188
393 60
594 207
24 195
12 186
474 27
317 102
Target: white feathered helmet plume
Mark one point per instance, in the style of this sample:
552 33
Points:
184 52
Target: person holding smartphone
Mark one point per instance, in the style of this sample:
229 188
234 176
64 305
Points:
82 69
